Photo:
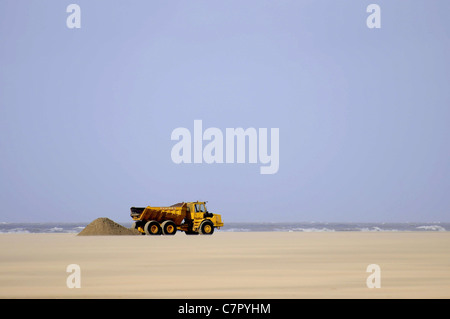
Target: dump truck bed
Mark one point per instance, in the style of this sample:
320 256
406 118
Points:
175 213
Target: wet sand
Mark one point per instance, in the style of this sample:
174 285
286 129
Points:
227 265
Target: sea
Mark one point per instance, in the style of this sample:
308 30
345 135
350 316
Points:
66 227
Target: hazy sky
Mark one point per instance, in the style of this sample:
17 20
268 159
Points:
86 115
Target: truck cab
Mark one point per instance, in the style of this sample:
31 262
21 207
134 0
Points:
199 220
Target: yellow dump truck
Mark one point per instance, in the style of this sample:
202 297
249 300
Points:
193 218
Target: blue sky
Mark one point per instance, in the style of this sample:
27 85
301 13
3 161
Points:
86 115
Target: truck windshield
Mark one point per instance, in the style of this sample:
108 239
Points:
199 208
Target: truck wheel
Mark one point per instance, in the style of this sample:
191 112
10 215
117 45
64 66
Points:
206 228
137 224
152 228
169 227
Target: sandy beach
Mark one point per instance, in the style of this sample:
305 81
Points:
227 265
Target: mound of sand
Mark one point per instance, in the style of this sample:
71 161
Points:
105 226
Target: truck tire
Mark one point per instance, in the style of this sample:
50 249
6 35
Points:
206 228
137 224
153 228
169 228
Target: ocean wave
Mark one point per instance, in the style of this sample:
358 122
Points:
237 230
64 230
432 228
15 231
376 229
306 230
